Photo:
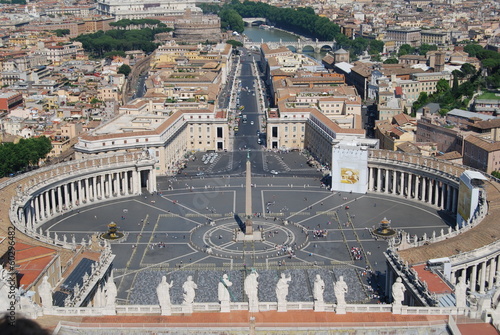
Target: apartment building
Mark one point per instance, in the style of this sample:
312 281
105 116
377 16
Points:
482 154
400 36
168 133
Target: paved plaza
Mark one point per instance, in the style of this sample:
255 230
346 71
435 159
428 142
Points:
189 228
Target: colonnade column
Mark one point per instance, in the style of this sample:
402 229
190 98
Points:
94 188
492 272
394 182
410 185
37 209
436 193
152 178
59 198
53 197
448 197
442 204
482 278
473 278
379 188
125 183
101 186
454 200
42 206
386 183
424 189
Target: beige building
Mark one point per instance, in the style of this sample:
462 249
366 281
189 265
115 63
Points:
400 129
482 154
168 133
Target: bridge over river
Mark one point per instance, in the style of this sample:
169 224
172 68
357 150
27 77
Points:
299 46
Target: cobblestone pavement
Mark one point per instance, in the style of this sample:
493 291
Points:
168 233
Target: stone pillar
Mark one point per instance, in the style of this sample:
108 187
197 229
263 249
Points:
482 278
370 179
410 185
74 194
101 186
423 190
394 182
125 183
136 182
59 198
492 273
28 215
401 183
37 209
379 188
453 278
87 189
473 278
436 193
42 205
454 193
152 178
66 195
448 197
53 200
442 203
94 188
386 186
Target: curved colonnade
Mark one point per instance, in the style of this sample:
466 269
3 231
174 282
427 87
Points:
49 192
473 249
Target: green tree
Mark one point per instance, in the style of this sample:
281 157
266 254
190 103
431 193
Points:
112 54
406 49
234 43
391 61
442 86
125 69
495 174
61 32
425 48
231 20
468 69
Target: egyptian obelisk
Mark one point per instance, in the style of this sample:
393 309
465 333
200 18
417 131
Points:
248 198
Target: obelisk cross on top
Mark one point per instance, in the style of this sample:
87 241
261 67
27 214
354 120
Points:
248 197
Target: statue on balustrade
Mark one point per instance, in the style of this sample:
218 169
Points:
223 289
189 288
45 292
282 288
111 292
460 293
318 288
251 287
163 292
340 289
398 292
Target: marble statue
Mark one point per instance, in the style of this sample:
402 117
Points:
340 289
460 293
251 287
189 288
398 292
163 292
111 292
318 288
4 290
282 288
45 292
223 289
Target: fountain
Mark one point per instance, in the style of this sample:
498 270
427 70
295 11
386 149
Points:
113 233
384 230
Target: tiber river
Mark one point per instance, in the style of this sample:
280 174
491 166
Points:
255 34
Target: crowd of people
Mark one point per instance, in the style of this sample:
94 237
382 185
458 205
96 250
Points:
356 253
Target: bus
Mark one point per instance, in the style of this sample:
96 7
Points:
244 119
